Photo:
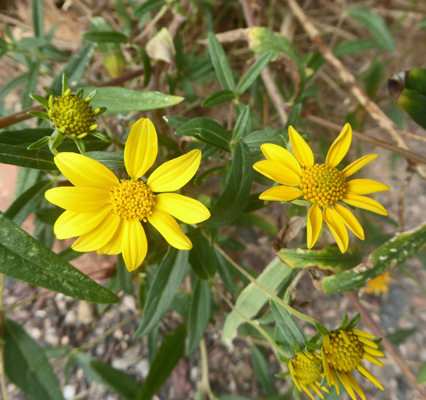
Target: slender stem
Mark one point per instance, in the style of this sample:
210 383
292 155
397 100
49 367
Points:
21 303
254 324
290 309
2 366
205 383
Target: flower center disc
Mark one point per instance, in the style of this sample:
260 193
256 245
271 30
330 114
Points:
132 199
305 368
322 184
72 114
345 352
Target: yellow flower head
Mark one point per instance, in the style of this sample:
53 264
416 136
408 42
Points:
379 285
323 185
107 213
306 370
342 353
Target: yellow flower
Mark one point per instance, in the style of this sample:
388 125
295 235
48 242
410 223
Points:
323 185
379 284
106 213
342 353
306 370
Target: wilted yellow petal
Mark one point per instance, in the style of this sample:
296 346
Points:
350 221
365 203
337 228
340 146
364 186
135 245
358 164
274 152
99 237
281 193
141 148
78 199
175 173
71 224
314 225
170 230
181 207
277 172
83 171
301 150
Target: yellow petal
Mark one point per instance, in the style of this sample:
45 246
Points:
359 332
277 172
306 390
115 245
364 186
135 245
350 221
358 164
365 203
274 152
71 224
347 385
141 148
170 230
370 376
99 237
181 207
340 146
83 171
314 225
315 389
356 386
301 150
373 352
175 173
281 193
368 342
78 199
337 228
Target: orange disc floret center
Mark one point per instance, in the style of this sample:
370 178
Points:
345 351
72 115
132 199
322 184
306 367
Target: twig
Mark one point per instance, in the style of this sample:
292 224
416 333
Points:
205 383
386 343
401 196
371 107
157 17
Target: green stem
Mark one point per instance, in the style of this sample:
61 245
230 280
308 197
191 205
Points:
2 369
290 309
205 383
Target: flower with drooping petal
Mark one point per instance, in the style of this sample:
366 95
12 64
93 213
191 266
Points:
108 214
323 185
306 370
379 285
342 352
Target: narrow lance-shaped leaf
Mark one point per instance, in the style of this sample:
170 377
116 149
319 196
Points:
38 159
253 72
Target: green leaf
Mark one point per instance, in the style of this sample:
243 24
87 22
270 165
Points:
37 159
253 72
220 63
218 97
175 122
399 336
76 67
111 159
286 325
327 258
236 193
105 37
355 46
119 100
26 365
261 370
23 257
27 202
375 24
202 257
168 355
171 273
38 17
241 124
414 104
12 84
206 130
395 251
147 6
3 47
275 136
252 299
113 378
421 374
124 276
224 269
30 85
199 314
